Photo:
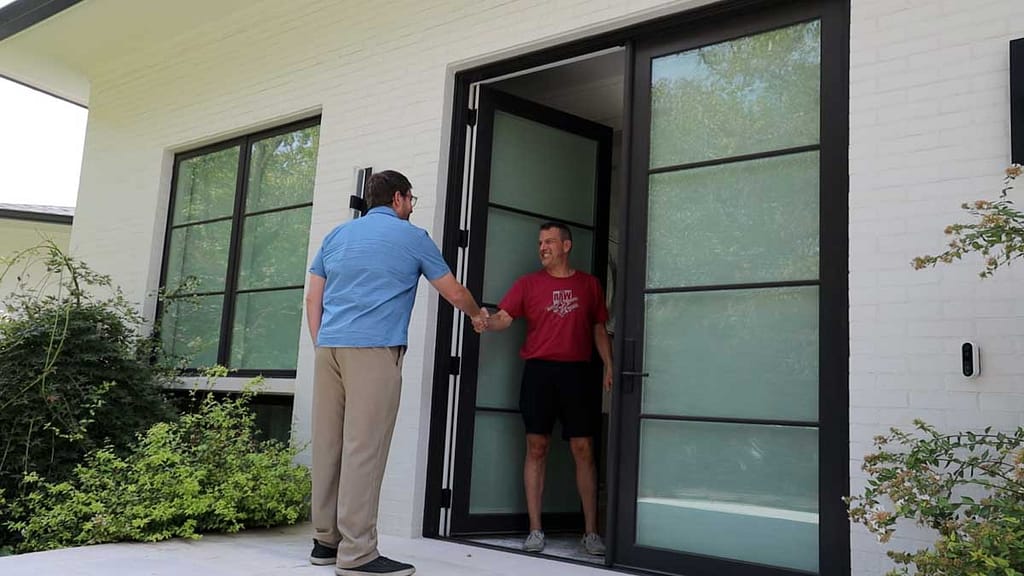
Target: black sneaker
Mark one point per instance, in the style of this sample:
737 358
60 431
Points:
381 565
322 555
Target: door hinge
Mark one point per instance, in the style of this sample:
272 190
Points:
446 498
471 117
453 365
463 238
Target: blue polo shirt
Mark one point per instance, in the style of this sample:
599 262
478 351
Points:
372 266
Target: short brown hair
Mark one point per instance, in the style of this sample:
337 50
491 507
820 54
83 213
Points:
381 188
564 230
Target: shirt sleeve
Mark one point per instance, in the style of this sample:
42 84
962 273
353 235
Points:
513 302
317 267
432 264
600 310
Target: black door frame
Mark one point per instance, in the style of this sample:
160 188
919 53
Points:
491 101
834 391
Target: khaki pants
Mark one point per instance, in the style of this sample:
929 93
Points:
355 402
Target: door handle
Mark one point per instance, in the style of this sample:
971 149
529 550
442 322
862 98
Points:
640 374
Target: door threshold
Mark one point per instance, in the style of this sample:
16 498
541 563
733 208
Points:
613 569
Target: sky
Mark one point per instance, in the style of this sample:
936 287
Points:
41 139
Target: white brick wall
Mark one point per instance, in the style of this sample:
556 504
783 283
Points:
928 130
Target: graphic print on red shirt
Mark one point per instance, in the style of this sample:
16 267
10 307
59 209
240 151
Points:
560 314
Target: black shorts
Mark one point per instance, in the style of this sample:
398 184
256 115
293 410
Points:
566 391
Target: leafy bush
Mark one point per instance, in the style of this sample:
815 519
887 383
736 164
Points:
75 374
998 233
207 471
968 487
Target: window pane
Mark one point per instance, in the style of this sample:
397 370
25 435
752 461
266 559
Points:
274 249
206 186
199 251
512 250
733 354
745 222
190 328
500 369
744 96
266 331
756 484
282 170
499 448
543 170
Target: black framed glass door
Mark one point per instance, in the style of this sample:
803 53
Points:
532 164
728 410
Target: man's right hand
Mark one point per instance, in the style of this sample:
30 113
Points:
481 321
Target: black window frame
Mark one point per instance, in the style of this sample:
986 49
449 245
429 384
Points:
237 217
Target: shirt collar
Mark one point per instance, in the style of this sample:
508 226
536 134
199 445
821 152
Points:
388 210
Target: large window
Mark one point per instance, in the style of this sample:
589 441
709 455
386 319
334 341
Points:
235 253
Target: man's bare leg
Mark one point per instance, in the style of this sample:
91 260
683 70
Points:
586 479
533 475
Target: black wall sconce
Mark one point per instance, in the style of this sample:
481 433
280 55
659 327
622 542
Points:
356 201
1017 101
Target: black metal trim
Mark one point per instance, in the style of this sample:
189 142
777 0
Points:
271 289
238 216
742 421
27 216
522 212
201 222
736 159
721 287
196 294
498 410
279 209
245 373
25 14
483 524
1017 101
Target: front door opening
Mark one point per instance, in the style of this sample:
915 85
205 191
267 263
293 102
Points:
546 144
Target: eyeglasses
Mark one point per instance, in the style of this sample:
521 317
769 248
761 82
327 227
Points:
412 200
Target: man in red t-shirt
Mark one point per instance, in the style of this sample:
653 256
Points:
565 318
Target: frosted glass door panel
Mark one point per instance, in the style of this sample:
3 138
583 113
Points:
743 222
543 169
733 353
501 369
744 96
757 485
499 448
512 250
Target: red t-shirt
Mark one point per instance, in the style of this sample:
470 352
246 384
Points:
560 314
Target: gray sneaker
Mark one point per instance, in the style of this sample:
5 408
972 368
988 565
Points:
534 542
593 544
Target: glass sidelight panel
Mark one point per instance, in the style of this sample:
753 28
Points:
499 448
562 169
758 485
514 237
733 353
742 222
744 96
501 369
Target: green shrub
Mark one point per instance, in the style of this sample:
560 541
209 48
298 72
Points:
205 472
966 487
74 373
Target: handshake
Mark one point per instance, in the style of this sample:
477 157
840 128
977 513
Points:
482 321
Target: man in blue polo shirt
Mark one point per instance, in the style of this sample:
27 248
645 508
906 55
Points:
362 286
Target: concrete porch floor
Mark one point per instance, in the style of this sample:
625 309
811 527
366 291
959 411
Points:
281 551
